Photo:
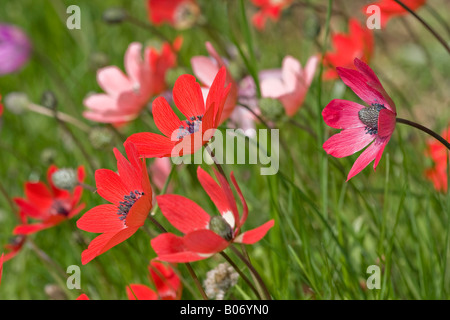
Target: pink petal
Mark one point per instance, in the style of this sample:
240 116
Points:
347 142
386 123
113 81
365 158
133 62
204 69
342 114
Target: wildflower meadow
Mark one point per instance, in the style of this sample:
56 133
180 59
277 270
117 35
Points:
224 150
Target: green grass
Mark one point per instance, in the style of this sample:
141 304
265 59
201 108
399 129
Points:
327 231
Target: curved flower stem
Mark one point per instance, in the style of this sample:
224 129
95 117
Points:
254 272
426 25
243 276
426 130
61 116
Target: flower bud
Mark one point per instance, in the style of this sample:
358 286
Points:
16 102
65 179
114 15
49 100
271 108
220 226
100 137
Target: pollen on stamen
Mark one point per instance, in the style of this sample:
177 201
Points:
127 203
191 126
369 117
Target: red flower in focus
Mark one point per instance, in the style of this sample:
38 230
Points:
184 137
180 14
269 9
358 43
438 153
361 125
167 283
204 235
129 192
126 95
49 205
205 69
390 8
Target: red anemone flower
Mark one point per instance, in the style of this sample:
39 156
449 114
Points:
83 296
361 125
204 235
438 153
50 206
184 137
129 192
269 9
358 43
167 283
180 14
390 8
1 107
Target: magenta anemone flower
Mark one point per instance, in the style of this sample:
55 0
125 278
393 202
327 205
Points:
15 48
361 124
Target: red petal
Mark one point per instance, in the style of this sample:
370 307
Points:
165 118
139 211
188 96
166 281
254 235
38 195
151 145
140 292
204 241
104 242
101 219
110 186
214 191
29 209
184 214
386 123
83 297
129 174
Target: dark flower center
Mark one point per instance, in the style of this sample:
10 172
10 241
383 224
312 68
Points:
60 207
369 116
192 125
220 226
127 203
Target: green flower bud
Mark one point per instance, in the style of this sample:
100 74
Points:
220 226
271 108
114 15
100 137
65 179
16 102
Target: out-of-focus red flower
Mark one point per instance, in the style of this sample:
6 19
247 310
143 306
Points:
83 296
167 283
126 95
180 14
130 193
390 9
438 153
204 235
362 125
358 43
184 137
269 9
205 69
1 107
49 205
1 268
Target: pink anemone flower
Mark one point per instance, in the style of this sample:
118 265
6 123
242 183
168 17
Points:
204 235
361 125
126 95
289 84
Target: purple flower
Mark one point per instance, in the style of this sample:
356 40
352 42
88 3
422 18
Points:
15 48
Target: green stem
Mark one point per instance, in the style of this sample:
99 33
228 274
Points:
426 25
